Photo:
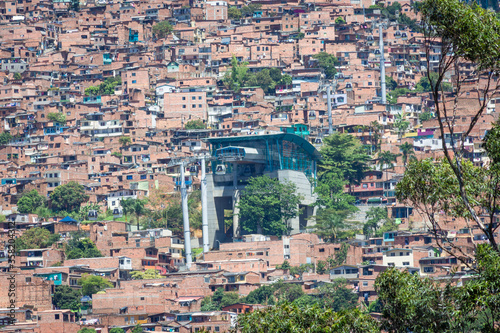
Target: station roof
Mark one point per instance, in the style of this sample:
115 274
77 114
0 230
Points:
298 140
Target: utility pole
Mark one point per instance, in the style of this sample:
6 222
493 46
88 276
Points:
185 218
382 64
204 212
329 97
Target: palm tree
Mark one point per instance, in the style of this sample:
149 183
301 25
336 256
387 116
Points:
407 152
375 132
386 158
134 206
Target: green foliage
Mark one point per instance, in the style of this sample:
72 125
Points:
407 151
5 138
145 275
134 206
116 330
17 76
83 213
292 318
79 247
266 205
390 83
234 13
250 9
137 329
219 300
29 202
65 297
162 29
424 116
401 124
340 256
344 162
424 85
332 225
57 117
374 217
85 329
68 197
386 159
392 96
236 78
340 20
105 88
91 284
472 32
321 267
285 265
412 24
327 62
74 5
194 124
117 154
338 296
262 295
125 140
36 238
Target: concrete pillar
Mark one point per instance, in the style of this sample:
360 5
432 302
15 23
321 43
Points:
236 200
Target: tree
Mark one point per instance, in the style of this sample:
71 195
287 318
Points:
134 206
234 13
292 318
137 329
57 117
162 29
344 163
87 330
36 238
425 84
387 159
65 297
105 88
29 202
391 84
250 9
146 275
68 197
265 81
124 140
194 124
321 267
266 205
339 20
425 116
78 248
236 78
407 151
337 296
17 76
327 62
332 225
262 295
116 330
5 138
219 300
91 284
83 213
74 5
401 124
375 216
468 36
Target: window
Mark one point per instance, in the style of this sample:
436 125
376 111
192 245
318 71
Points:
406 263
183 98
193 98
134 81
365 283
322 250
144 176
428 269
129 177
133 74
56 317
